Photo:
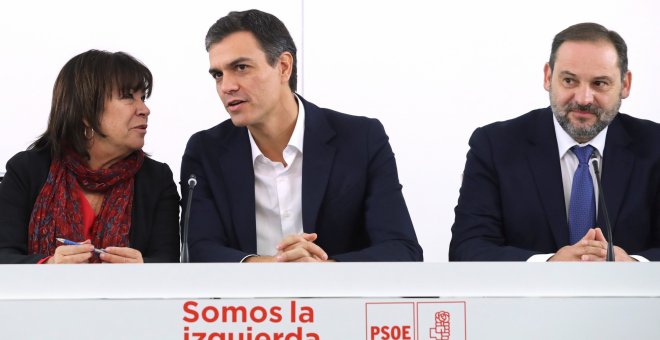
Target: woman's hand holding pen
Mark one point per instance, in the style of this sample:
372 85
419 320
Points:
121 255
80 253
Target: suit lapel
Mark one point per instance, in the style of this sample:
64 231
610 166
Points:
318 156
543 156
237 168
618 163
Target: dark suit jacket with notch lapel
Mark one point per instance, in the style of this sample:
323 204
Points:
511 203
351 196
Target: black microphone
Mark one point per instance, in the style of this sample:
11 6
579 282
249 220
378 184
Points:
192 181
601 197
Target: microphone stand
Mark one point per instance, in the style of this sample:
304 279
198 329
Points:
601 197
185 258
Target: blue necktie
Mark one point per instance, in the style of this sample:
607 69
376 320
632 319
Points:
582 208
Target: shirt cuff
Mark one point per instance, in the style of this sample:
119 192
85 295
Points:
245 258
540 258
640 258
45 259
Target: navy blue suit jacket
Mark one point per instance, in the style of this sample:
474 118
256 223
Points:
351 196
511 203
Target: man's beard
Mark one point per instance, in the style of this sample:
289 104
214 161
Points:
584 134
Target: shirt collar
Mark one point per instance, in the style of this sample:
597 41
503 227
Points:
565 142
297 136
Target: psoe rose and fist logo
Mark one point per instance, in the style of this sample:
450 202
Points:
416 320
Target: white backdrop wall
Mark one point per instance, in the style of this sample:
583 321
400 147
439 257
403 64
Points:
431 71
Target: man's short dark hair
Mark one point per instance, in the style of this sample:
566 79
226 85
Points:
270 32
593 32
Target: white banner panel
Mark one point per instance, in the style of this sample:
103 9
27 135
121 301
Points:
340 301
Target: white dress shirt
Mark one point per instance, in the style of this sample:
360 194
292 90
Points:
569 163
278 190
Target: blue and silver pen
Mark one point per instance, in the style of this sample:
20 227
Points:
71 243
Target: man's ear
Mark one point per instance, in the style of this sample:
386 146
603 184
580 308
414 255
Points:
547 76
285 63
625 86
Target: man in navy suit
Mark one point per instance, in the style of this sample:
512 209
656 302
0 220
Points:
283 180
523 192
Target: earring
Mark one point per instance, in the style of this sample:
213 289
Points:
85 133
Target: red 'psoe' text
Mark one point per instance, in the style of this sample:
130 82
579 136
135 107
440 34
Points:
390 333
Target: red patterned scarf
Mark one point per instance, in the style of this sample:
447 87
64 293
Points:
57 213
